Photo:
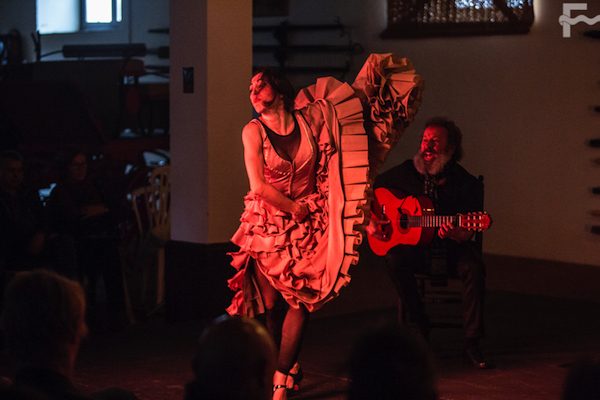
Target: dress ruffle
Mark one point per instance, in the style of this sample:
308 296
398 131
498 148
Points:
391 92
274 239
349 171
309 262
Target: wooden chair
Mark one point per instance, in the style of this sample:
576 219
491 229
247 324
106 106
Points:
439 285
151 209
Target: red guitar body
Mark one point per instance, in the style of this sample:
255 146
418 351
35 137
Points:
394 207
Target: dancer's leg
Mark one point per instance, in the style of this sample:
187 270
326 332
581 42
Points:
294 325
273 306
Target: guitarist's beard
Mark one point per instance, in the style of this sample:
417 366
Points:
435 167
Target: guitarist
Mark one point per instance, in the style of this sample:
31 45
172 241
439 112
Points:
435 172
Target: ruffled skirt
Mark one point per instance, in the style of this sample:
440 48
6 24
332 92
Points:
290 255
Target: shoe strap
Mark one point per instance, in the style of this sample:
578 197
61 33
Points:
276 387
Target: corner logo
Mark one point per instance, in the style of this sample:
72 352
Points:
566 20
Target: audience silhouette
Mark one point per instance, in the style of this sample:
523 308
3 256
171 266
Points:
25 240
391 363
76 207
44 323
583 381
235 360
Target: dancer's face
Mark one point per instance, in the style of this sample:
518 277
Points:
434 143
262 95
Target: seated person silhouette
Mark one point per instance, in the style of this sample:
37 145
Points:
77 207
25 239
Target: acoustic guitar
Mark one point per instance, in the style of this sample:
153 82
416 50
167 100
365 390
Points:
413 221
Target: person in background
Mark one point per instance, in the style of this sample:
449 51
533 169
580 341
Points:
77 207
26 241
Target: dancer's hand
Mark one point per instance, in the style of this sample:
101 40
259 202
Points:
300 212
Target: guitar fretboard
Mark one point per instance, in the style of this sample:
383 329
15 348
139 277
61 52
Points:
431 221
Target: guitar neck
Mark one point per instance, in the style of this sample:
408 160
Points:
432 221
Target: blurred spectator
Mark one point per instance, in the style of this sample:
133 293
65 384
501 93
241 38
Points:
44 323
583 381
13 393
235 360
25 241
76 207
391 363
9 136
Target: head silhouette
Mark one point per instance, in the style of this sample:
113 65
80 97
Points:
391 363
235 360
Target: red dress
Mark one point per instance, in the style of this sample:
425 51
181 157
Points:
309 262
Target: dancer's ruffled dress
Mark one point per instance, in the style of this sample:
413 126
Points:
346 132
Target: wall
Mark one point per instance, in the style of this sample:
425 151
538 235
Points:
229 68
140 15
213 37
524 104
189 139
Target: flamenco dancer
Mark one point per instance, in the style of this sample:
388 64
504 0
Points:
309 161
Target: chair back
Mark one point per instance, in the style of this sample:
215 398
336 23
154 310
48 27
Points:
159 199
151 205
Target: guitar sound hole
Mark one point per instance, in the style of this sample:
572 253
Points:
403 221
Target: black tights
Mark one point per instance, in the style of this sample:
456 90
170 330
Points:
286 324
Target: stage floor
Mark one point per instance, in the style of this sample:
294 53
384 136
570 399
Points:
532 339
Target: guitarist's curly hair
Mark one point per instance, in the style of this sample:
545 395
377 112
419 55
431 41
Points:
454 135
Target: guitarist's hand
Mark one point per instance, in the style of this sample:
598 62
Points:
379 227
449 231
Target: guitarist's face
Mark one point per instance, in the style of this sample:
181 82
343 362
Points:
434 144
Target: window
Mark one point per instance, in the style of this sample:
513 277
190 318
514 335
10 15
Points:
419 18
69 16
57 16
101 14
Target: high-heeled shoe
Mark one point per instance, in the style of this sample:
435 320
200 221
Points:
281 380
296 376
475 357
279 387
